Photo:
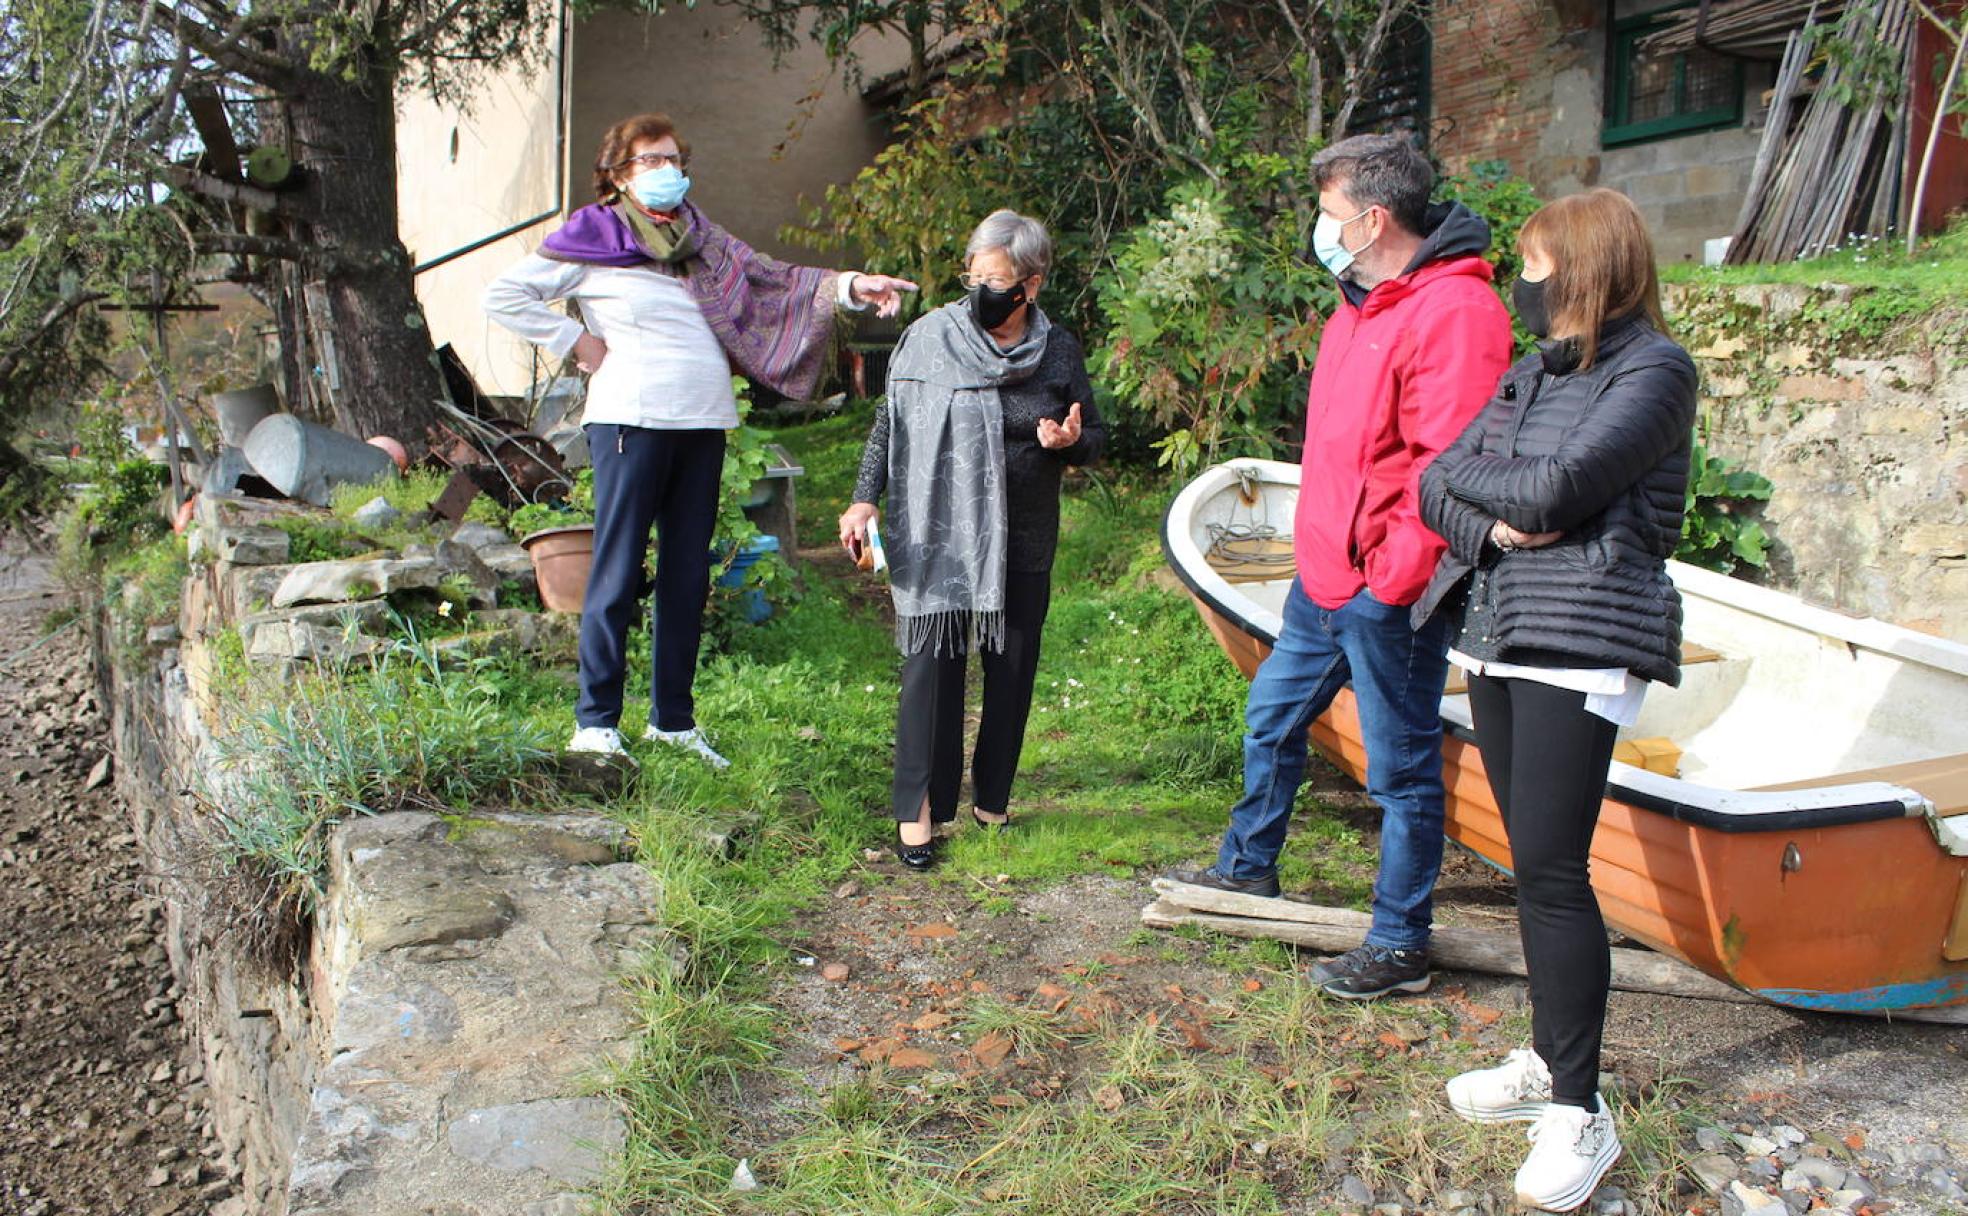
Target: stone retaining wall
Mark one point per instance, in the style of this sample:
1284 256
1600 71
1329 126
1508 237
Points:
442 1041
1865 439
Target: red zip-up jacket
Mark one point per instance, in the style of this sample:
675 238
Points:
1401 370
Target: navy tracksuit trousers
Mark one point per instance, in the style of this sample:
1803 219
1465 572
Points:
645 477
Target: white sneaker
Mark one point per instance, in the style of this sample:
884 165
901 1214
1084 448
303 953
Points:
1571 1150
691 740
1515 1091
604 740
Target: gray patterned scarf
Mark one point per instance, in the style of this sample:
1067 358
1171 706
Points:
946 478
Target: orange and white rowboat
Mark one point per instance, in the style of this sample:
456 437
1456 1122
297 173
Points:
1809 844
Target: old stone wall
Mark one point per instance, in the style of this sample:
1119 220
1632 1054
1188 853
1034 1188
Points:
441 1039
1864 432
1524 82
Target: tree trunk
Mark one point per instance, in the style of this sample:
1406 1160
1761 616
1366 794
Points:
371 344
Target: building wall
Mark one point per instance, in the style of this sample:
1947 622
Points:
464 175
762 140
1524 81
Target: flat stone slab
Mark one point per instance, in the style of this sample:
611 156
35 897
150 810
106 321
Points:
567 1139
469 980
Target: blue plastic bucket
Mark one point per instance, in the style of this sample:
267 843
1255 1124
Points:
757 608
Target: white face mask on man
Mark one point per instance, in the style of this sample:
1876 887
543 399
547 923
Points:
1326 245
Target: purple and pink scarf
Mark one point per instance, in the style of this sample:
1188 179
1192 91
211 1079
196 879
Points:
774 320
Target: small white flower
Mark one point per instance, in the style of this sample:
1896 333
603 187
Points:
444 609
867 688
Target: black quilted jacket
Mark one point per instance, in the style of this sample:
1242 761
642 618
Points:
1600 455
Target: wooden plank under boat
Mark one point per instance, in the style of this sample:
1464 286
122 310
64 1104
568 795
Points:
1813 847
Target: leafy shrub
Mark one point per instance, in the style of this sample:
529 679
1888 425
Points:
1716 532
1210 321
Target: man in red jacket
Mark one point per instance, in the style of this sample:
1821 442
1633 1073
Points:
1417 345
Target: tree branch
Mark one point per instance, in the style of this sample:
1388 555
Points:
251 245
204 184
64 308
230 50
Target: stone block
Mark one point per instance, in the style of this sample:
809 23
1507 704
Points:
1821 388
511 841
1947 540
511 563
377 513
479 537
1896 420
567 1139
247 546
517 631
369 616
245 589
280 642
404 884
1725 346
341 582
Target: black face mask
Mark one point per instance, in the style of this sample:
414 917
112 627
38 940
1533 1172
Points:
1528 299
992 307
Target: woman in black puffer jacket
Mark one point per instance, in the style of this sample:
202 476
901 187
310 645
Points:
1561 504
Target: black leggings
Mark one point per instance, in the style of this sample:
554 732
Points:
1547 759
929 717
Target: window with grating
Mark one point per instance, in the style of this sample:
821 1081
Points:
1653 96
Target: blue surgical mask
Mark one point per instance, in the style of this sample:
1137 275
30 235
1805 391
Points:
659 189
1326 245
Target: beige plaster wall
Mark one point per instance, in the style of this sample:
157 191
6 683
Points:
464 174
762 139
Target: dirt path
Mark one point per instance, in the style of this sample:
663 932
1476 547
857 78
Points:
912 962
98 1111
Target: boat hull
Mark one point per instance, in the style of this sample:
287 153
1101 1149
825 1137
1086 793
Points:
1841 898
1785 915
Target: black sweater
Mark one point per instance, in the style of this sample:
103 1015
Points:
1600 455
1032 472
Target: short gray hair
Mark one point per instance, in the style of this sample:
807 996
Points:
1023 239
1379 171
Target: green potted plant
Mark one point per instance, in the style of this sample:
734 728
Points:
559 537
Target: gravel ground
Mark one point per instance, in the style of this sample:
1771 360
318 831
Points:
99 1110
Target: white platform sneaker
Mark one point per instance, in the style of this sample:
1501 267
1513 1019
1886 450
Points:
601 740
691 740
1571 1150
1516 1090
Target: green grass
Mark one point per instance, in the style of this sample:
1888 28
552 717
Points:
1131 760
1936 273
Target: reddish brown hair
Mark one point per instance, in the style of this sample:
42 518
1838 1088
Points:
1604 265
618 144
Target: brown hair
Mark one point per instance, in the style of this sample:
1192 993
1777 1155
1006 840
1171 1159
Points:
618 144
1604 263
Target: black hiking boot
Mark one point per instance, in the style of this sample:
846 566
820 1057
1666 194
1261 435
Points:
1266 886
1366 972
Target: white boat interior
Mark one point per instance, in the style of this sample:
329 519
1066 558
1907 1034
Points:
1773 690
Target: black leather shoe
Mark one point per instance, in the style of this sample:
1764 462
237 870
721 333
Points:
990 824
915 856
1266 886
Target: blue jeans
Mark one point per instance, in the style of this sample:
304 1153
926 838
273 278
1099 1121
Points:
1397 676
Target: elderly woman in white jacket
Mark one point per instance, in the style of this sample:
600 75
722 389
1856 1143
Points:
669 304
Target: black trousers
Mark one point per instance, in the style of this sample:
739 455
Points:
929 718
644 477
1547 760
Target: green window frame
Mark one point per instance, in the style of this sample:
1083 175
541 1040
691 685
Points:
1621 128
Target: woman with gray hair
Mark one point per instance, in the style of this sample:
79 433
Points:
988 403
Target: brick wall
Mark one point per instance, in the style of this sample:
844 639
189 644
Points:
1523 81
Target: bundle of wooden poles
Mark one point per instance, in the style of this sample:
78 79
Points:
1754 29
1834 150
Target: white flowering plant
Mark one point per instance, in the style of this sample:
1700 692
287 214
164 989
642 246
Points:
1211 316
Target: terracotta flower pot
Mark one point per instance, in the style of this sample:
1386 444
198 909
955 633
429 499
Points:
561 557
